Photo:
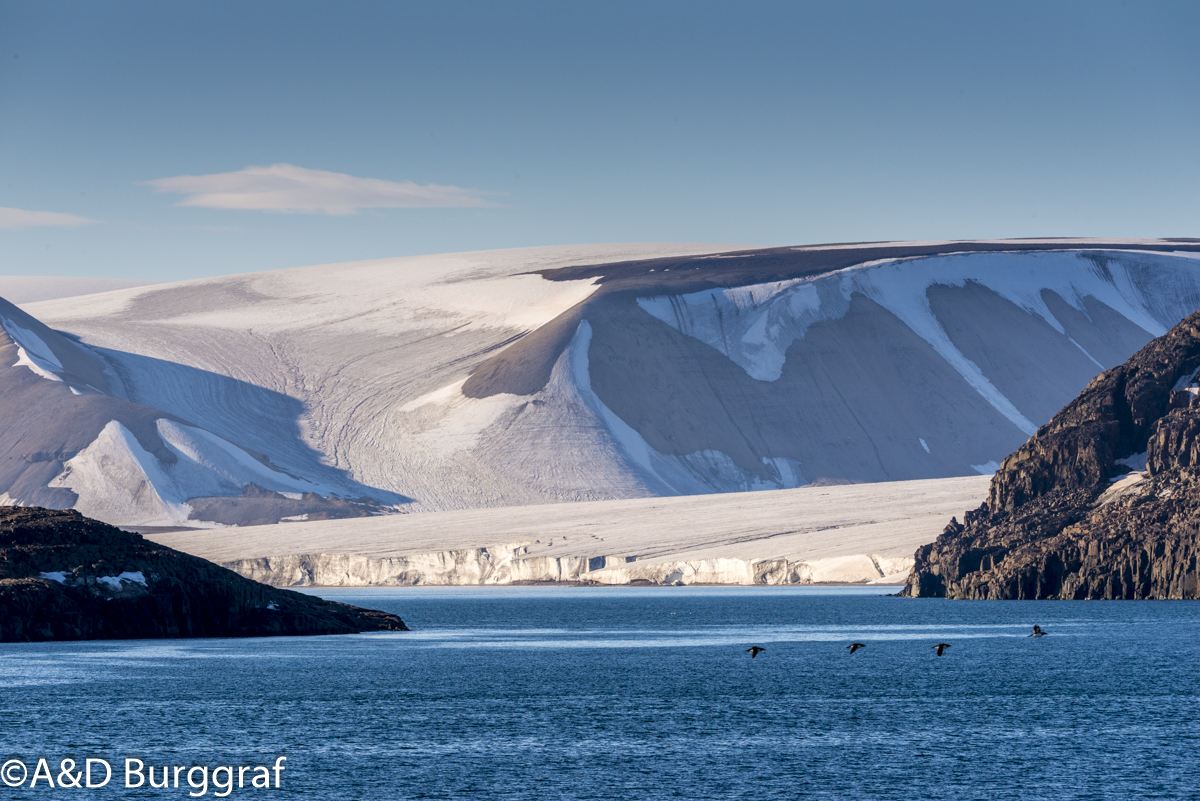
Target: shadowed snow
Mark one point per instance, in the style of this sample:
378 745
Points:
587 373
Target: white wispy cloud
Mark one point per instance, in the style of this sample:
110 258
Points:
23 218
296 190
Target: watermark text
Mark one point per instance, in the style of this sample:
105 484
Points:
92 773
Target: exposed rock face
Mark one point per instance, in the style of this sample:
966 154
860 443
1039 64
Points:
1062 522
65 577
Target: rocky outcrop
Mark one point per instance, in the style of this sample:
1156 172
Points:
1072 514
66 577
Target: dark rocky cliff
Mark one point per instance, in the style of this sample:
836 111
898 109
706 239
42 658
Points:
1067 517
66 577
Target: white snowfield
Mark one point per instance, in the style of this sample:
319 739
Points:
348 380
32 288
860 533
345 376
548 405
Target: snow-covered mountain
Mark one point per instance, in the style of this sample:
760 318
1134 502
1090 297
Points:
71 438
565 374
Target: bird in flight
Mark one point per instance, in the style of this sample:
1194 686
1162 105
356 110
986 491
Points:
854 646
754 651
1037 632
941 647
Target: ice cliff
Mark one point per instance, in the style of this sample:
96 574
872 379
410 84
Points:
510 564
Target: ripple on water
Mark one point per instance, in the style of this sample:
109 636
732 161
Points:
606 694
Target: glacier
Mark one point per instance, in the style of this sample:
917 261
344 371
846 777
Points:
617 372
860 533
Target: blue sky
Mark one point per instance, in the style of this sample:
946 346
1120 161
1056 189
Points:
392 128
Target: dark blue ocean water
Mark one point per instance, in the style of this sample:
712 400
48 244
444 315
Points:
544 693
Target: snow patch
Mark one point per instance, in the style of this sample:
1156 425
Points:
115 582
1136 462
788 471
35 365
923 445
1187 383
32 352
988 468
455 421
1119 487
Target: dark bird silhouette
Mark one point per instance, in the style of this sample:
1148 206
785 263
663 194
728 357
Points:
854 646
941 647
754 651
1037 632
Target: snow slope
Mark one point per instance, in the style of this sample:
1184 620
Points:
350 369
856 533
33 288
585 373
73 439
893 370
755 325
